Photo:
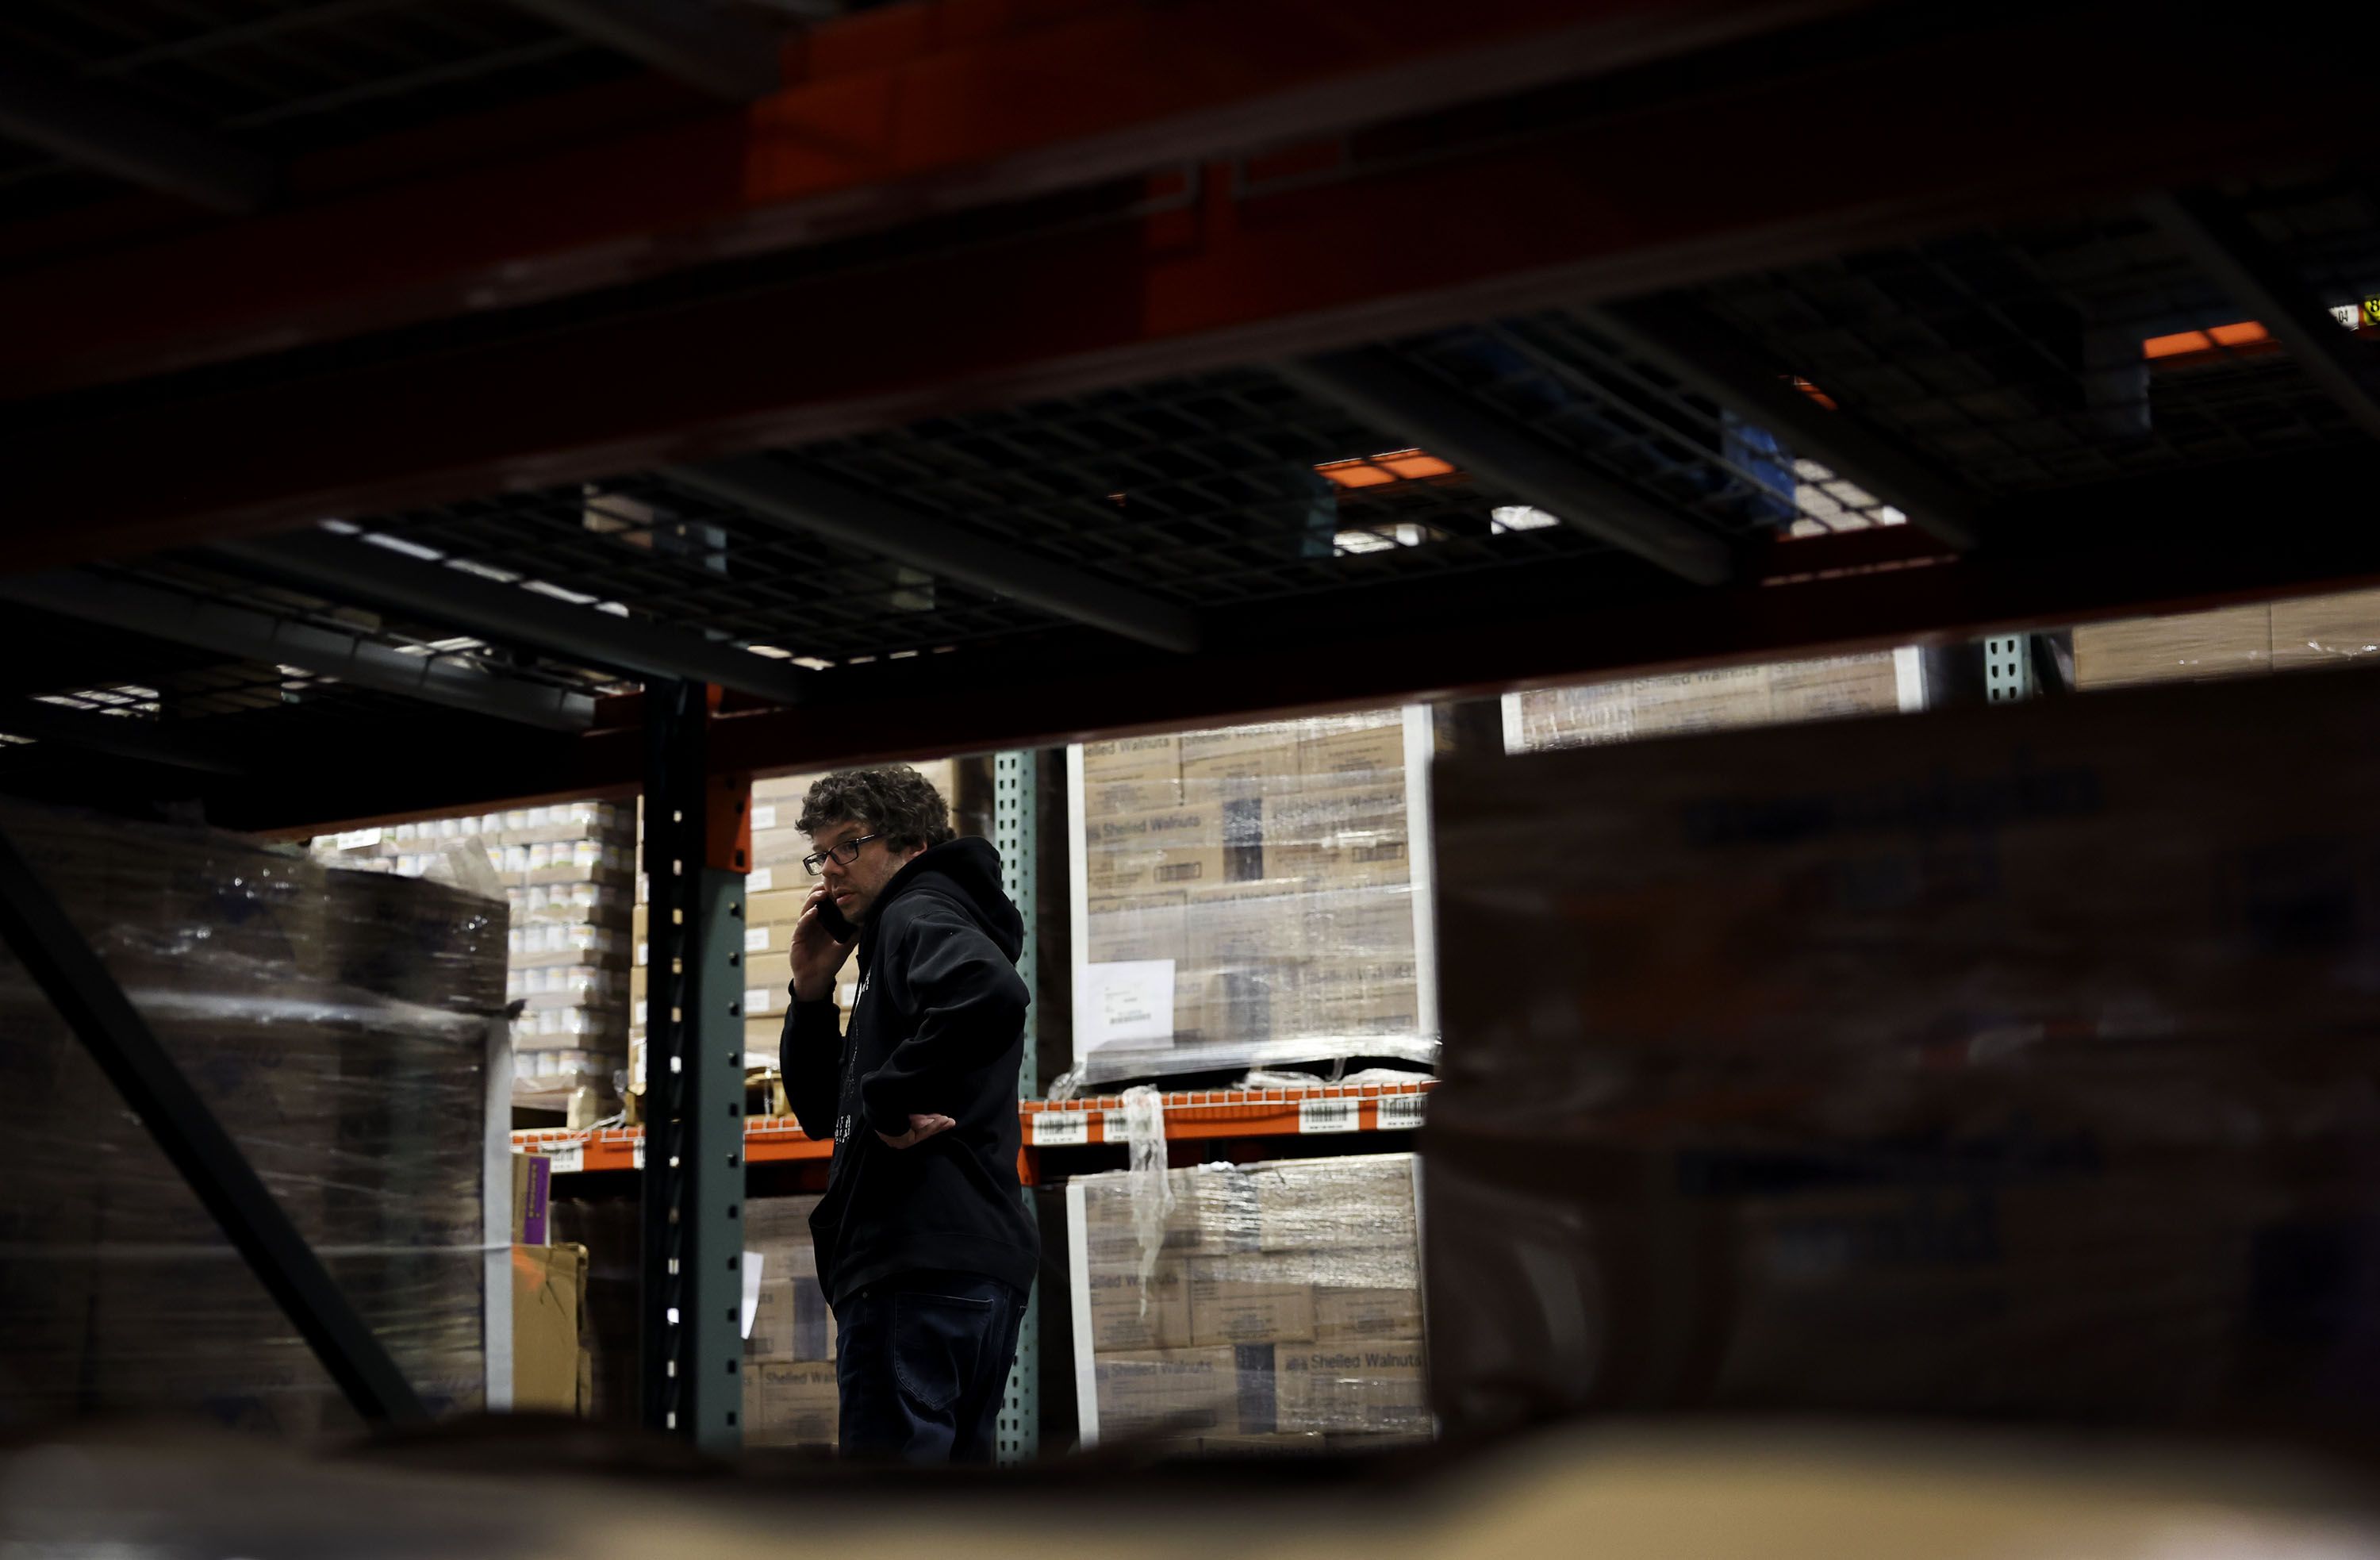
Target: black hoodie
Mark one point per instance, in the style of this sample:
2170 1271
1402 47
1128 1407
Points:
938 1029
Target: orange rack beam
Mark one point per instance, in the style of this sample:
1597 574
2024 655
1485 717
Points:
1222 1112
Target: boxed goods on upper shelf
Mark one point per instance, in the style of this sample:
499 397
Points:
1725 699
1252 895
1238 1308
566 871
2011 1061
340 1026
2314 632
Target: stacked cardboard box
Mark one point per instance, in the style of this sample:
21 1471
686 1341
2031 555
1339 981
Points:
789 1391
340 1026
1272 1307
2011 1061
1256 886
2231 642
1727 698
567 873
775 891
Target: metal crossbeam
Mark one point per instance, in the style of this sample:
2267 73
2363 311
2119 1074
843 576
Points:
1384 390
117 736
99 130
1688 347
773 490
358 571
249 635
702 47
2227 246
62 963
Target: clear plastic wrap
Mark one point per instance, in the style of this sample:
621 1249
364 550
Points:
566 870
1877 682
1252 895
1250 1307
340 1026
2005 1061
2314 631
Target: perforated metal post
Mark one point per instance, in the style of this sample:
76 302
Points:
2008 669
1015 834
698 850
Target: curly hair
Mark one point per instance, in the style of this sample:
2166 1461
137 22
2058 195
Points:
895 801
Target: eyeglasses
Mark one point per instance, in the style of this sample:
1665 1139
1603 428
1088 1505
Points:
844 854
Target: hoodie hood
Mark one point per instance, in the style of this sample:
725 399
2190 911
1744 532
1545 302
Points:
965 872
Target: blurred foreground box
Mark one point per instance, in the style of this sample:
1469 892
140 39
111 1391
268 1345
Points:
2013 1062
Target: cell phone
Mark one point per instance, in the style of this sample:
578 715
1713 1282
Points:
837 926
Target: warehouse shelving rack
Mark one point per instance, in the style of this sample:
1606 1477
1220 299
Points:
948 378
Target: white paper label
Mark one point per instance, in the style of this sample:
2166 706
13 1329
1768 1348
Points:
764 817
355 839
1060 1128
759 880
1402 1113
566 1159
756 999
1128 1000
751 1289
1328 1115
756 939
640 1153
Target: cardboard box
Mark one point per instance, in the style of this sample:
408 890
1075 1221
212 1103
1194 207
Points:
1280 1444
2321 631
1130 1314
1352 836
2185 646
1138 853
1238 761
1248 1298
1131 774
1359 1202
1137 927
1368 1387
548 1301
793 1321
1214 1212
791 1404
1833 687
1984 1062
776 907
1343 1315
533 1187
1183 1393
1351 752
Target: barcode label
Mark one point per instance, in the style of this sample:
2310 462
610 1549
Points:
760 880
764 817
1402 1113
355 839
639 1154
566 1159
756 940
1326 1116
1060 1128
758 998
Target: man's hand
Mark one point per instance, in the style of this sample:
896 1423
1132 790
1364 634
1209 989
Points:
920 1129
815 955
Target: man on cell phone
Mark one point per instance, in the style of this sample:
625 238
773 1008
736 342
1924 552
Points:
924 1245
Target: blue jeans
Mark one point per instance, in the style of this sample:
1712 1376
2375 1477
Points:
921 1366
